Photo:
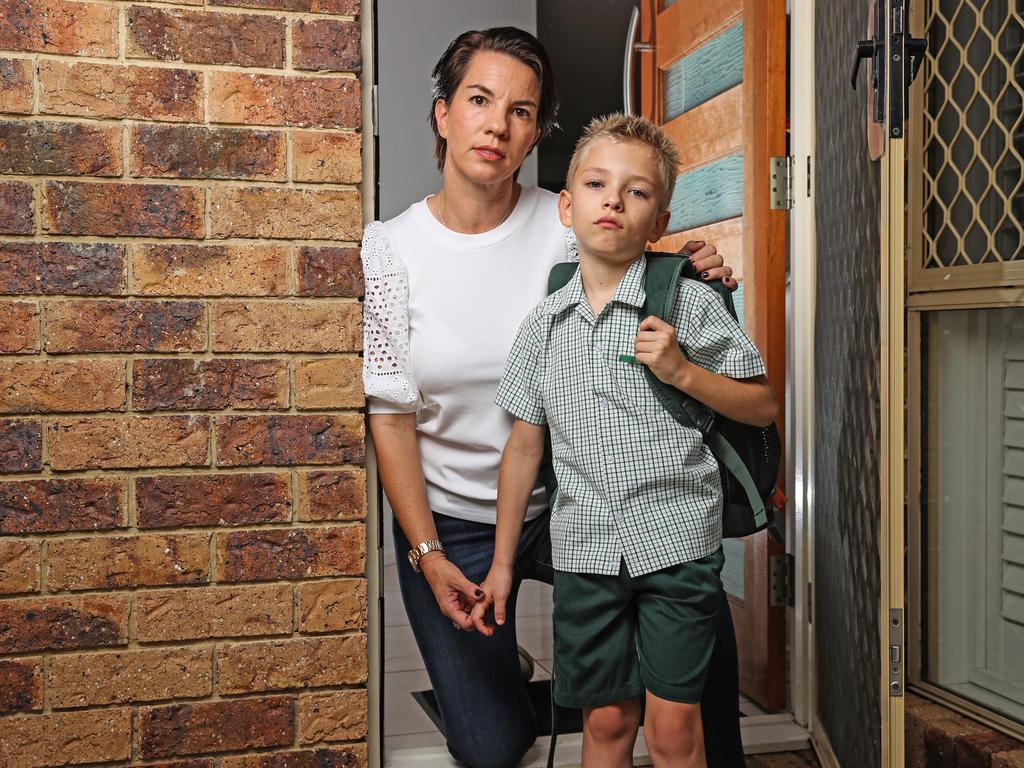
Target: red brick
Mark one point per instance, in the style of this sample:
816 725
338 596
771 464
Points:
289 439
202 37
41 148
16 85
19 327
181 385
88 269
976 750
329 382
125 326
19 570
66 738
120 677
350 756
329 271
21 685
332 495
335 716
195 152
295 326
56 26
34 624
171 501
254 99
343 7
121 210
21 446
310 214
332 606
116 562
120 91
138 441
55 385
201 762
222 726
17 216
327 45
296 553
212 612
284 664
210 270
53 506
320 156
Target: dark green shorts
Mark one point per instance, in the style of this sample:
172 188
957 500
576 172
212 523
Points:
616 636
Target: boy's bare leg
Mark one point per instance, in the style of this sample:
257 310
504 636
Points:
609 734
674 734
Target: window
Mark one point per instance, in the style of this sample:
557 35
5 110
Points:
966 362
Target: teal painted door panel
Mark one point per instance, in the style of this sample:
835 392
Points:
704 73
709 193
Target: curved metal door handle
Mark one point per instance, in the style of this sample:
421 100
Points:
627 68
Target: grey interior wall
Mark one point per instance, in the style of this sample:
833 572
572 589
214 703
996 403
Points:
411 36
847 393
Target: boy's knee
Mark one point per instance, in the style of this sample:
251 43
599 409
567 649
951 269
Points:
674 732
612 723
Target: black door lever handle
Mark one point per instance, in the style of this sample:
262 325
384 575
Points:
866 49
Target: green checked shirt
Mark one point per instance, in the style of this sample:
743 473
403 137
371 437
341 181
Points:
633 483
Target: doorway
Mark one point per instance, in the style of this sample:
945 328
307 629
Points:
409 38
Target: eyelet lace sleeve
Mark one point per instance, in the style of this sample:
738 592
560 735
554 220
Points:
387 378
572 252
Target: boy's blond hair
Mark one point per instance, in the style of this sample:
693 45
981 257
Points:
620 127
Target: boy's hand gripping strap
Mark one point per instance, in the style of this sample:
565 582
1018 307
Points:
663 273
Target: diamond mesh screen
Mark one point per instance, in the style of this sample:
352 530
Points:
974 133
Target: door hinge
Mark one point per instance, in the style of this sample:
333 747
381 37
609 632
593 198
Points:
896 652
783 585
780 170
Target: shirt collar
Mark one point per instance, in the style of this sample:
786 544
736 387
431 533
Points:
630 290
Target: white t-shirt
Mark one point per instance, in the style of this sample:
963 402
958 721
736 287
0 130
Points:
441 312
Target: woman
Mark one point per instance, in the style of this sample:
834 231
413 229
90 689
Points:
447 284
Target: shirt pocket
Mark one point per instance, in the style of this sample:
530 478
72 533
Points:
635 390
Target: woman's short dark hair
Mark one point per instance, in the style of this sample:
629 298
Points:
511 41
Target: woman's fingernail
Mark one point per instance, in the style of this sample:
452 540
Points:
704 275
479 593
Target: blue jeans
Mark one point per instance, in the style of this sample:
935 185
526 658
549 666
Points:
485 712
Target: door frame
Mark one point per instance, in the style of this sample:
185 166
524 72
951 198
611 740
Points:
801 394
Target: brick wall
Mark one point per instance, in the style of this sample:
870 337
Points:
182 547
938 737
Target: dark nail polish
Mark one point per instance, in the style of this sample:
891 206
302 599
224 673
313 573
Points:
479 593
704 275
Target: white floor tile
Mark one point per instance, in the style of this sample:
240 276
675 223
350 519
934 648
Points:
402 713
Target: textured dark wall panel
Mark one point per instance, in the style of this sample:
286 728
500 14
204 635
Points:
846 379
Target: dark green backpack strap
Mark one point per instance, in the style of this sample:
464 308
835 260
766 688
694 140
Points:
560 275
663 273
726 454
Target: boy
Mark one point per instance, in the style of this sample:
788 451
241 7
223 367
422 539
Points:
636 521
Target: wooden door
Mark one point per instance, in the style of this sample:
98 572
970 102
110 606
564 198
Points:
715 77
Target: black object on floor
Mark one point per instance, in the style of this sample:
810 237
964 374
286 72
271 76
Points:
539 691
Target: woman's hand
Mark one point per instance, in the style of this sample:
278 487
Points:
709 263
455 594
657 348
496 588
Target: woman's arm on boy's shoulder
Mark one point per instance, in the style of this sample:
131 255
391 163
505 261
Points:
748 401
517 477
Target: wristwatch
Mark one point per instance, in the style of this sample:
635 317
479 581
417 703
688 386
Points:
430 545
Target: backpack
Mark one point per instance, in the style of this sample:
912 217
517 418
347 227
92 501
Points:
748 457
